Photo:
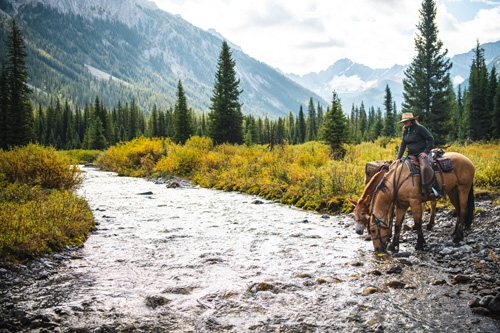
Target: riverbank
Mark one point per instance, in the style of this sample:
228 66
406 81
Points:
190 259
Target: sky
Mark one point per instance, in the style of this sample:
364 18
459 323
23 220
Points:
304 36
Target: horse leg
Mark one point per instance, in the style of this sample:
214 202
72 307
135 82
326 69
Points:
456 201
463 199
432 218
400 214
417 218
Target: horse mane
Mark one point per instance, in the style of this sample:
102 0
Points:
382 186
372 184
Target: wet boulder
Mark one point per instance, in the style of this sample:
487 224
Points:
156 301
494 305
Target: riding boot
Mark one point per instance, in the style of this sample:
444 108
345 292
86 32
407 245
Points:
428 178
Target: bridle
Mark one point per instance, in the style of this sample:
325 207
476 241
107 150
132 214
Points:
380 223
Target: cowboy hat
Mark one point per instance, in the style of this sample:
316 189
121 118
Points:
407 116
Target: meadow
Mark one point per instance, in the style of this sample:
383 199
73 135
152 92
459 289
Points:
301 175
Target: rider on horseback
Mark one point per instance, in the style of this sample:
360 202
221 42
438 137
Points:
419 142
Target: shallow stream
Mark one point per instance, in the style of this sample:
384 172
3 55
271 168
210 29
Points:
198 260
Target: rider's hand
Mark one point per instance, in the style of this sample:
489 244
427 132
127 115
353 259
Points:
422 155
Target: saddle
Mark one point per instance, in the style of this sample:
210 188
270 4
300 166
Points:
438 162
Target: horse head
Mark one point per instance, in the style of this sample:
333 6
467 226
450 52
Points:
361 213
380 217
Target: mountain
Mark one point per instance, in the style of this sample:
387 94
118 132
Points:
355 82
123 50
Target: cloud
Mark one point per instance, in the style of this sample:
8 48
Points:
309 36
307 45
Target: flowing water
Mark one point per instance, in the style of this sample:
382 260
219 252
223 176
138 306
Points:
198 260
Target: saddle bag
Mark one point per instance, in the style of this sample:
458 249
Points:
445 163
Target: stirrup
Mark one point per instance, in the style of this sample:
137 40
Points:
434 194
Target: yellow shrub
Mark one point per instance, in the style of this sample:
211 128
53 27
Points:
35 165
134 158
44 221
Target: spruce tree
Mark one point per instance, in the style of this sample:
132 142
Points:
390 119
478 117
183 128
311 133
495 118
226 118
427 79
301 126
19 126
335 129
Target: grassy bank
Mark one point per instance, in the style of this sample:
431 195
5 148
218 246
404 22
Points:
301 175
39 212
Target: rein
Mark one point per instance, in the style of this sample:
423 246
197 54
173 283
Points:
379 222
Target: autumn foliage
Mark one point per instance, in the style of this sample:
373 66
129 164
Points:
39 213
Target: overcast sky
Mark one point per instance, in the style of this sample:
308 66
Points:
303 36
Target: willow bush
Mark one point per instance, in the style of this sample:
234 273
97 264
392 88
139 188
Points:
39 213
302 175
35 165
134 158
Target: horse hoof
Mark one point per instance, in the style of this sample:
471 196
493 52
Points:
429 227
419 247
393 248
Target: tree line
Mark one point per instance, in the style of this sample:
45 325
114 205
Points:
470 114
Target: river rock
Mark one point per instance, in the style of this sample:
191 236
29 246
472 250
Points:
174 184
474 303
395 270
494 305
481 311
485 301
395 284
328 279
401 255
146 193
156 301
461 278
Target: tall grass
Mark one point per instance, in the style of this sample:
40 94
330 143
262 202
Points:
302 175
38 211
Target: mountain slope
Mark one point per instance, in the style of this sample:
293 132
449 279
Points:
121 50
355 82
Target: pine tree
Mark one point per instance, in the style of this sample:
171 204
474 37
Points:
427 79
390 119
477 123
183 128
335 129
495 118
301 127
311 133
226 119
490 100
19 119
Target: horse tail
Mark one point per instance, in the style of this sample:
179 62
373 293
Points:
469 215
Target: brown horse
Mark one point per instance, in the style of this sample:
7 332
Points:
399 190
374 173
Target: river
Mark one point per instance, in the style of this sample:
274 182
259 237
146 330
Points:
198 260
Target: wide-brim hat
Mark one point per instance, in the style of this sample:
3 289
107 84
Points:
407 116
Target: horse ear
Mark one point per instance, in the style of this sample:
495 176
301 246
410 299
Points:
353 202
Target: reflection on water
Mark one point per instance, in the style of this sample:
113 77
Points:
198 260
